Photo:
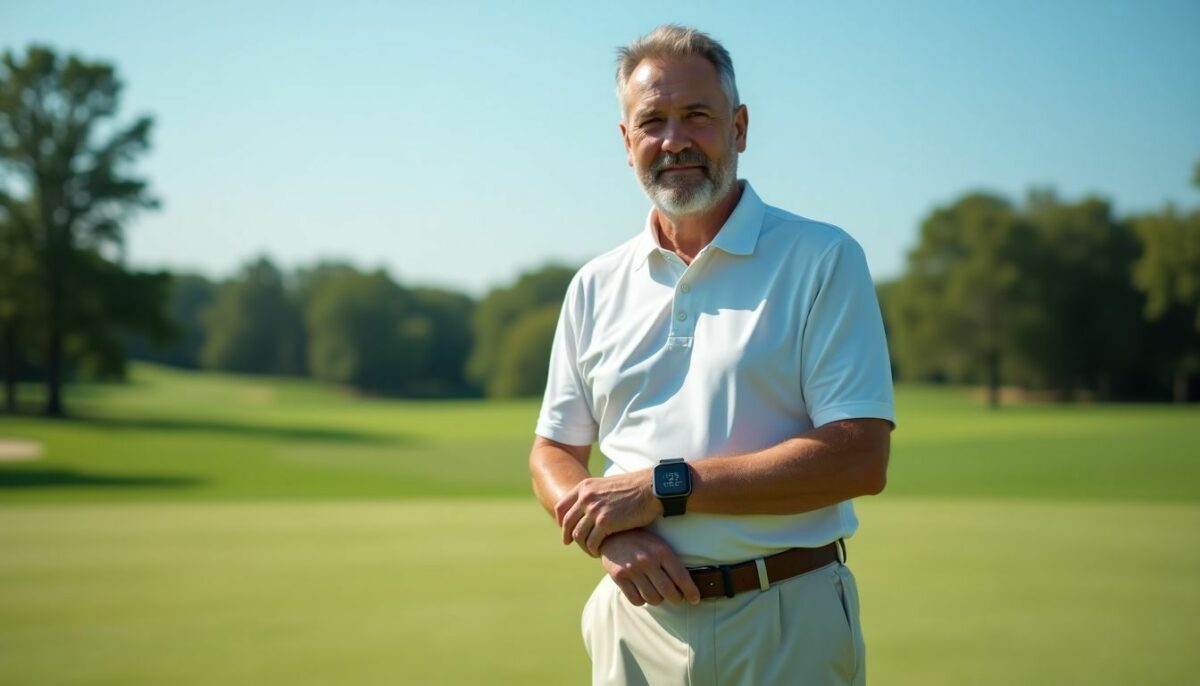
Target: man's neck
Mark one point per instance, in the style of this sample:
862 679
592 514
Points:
686 235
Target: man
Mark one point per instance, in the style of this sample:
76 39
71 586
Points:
730 360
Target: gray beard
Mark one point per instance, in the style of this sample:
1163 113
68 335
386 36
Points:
688 197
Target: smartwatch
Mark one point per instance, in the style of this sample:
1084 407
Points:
673 485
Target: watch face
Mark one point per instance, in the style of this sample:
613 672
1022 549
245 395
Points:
672 479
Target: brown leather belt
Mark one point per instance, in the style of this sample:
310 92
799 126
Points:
729 580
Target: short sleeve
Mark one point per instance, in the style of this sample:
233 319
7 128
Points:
846 371
566 414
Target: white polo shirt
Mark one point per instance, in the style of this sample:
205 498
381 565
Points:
774 329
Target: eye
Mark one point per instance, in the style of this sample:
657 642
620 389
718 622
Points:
649 121
698 116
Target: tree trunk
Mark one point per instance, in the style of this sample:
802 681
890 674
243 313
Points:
1180 385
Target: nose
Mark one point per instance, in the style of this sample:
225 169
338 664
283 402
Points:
674 138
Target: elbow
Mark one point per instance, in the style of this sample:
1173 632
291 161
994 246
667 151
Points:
867 446
874 475
875 484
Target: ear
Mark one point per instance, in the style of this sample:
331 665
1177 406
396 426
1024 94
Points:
741 124
628 144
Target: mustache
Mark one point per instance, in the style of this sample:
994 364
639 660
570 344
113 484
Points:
673 159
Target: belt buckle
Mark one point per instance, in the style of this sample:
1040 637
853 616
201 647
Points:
726 576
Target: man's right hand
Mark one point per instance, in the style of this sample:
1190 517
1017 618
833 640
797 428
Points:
646 569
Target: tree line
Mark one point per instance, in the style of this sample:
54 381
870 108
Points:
1066 298
1063 297
1050 295
337 323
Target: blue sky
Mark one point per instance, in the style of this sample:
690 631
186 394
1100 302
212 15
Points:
458 144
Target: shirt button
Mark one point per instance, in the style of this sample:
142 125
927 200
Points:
681 316
686 288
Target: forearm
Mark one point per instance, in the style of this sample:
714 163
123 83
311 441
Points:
555 469
827 465
836 462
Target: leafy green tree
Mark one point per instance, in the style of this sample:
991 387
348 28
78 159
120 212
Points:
449 314
364 330
119 301
190 295
310 280
69 167
524 360
1084 327
342 305
1168 272
501 309
954 310
18 294
254 325
885 293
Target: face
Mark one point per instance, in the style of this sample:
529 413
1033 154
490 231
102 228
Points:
682 136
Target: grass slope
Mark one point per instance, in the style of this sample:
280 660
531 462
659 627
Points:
185 435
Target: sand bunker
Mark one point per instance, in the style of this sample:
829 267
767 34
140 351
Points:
16 449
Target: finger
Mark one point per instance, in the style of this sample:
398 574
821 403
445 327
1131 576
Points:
564 505
681 577
590 553
647 590
631 592
570 523
663 584
582 529
594 539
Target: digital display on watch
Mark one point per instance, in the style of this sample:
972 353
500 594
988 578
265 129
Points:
672 480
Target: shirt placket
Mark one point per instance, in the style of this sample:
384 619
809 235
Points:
683 306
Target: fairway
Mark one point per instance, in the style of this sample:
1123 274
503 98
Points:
201 529
478 592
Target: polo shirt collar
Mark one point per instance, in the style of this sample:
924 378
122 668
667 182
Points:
738 235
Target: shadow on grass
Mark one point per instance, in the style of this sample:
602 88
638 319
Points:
60 478
305 433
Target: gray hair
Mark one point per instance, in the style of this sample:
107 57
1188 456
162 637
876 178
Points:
672 41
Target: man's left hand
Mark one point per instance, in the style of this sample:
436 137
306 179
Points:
598 507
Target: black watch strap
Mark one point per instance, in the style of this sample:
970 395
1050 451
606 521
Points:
673 507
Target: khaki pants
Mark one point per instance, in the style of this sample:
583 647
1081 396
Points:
803 631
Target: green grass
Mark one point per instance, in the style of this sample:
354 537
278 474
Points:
184 435
198 529
478 592
180 435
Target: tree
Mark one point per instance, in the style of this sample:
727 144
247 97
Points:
954 310
449 314
190 295
253 325
1083 326
524 360
365 330
1168 272
885 293
18 294
501 309
68 168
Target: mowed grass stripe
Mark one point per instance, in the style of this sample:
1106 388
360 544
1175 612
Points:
479 591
